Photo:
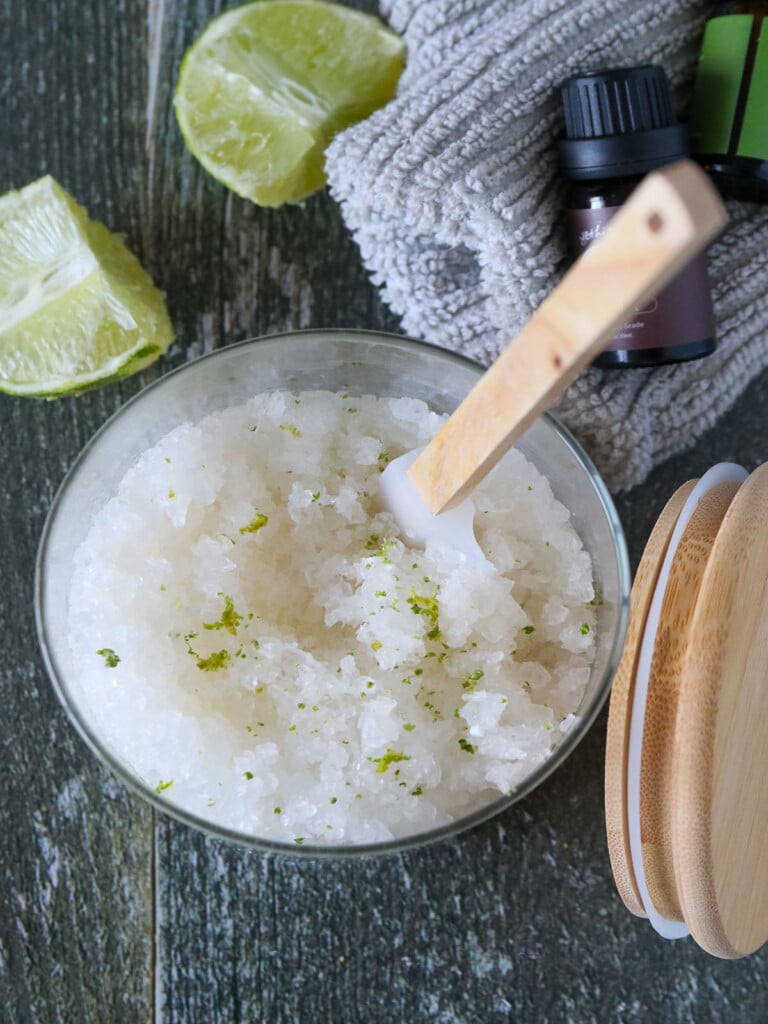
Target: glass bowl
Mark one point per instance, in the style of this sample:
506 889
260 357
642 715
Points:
337 360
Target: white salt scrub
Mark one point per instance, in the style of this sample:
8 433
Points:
255 642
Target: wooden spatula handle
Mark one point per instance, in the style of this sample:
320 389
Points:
669 218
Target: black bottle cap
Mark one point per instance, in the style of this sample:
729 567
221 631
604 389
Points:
619 122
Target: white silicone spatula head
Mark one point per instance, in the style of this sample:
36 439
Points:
453 527
666 221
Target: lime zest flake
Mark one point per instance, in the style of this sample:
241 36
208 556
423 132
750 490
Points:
258 522
111 660
230 619
391 757
161 786
291 428
429 608
214 662
471 680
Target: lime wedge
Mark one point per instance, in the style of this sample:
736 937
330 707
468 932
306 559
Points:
266 87
76 308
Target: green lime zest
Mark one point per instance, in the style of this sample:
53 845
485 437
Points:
472 679
429 608
111 659
391 757
214 662
229 620
257 523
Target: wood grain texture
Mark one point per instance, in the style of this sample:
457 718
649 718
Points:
622 693
670 647
518 920
669 218
76 933
720 826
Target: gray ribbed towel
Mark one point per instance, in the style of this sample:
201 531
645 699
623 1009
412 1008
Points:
453 194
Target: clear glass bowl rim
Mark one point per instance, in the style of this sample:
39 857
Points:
419 839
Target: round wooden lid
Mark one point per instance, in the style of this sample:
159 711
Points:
720 767
669 580
670 646
620 708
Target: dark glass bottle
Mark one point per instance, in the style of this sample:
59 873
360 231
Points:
729 114
620 124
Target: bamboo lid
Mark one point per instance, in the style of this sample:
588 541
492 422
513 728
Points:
619 713
720 832
686 782
670 648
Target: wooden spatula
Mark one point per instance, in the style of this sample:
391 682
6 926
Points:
669 218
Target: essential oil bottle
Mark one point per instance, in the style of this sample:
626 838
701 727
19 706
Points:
619 125
729 114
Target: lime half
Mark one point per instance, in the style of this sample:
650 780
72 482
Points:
266 87
76 308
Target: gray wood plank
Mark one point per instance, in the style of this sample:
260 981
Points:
76 851
517 920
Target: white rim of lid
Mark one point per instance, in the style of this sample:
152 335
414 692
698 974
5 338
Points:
724 472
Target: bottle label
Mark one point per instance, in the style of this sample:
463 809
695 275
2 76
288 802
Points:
679 315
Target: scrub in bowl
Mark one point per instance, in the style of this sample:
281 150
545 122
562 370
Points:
235 624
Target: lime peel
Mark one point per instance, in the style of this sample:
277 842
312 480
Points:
76 307
265 88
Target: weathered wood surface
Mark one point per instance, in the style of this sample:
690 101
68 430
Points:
110 916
